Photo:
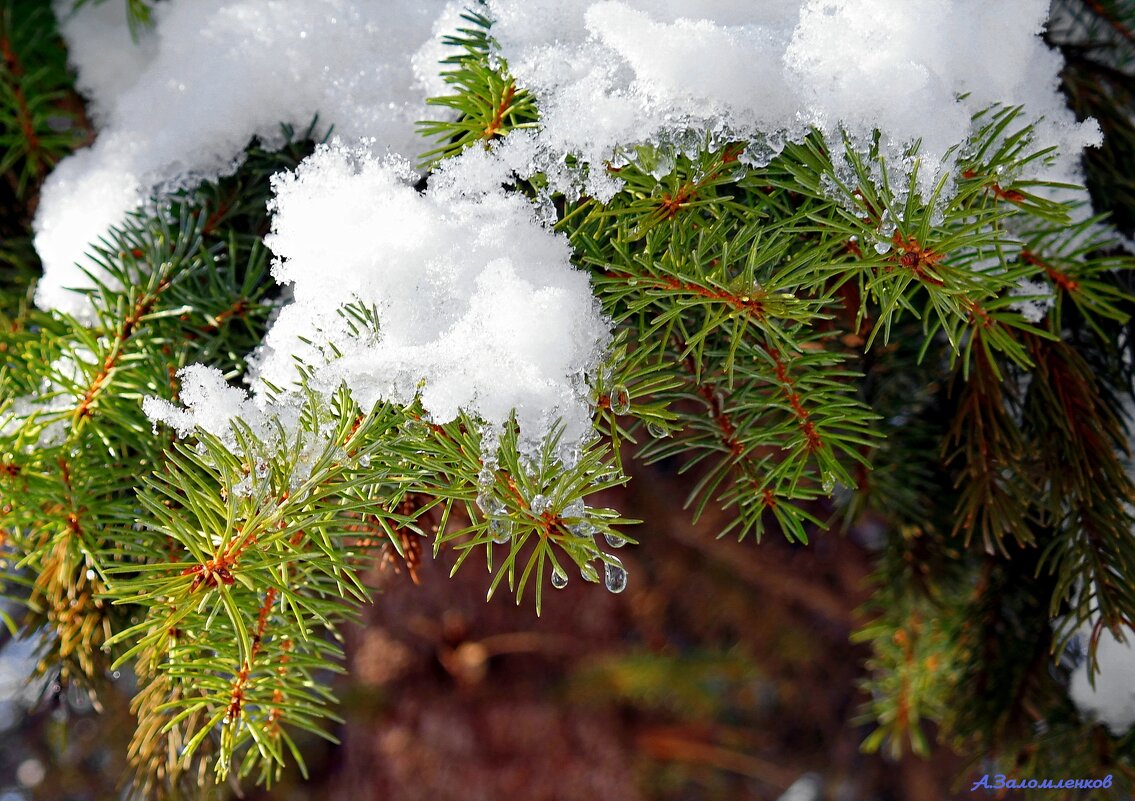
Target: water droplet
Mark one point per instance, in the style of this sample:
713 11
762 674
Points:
604 474
588 573
828 484
583 529
620 400
539 504
364 461
656 431
614 577
415 427
882 247
500 530
490 504
559 579
91 575
574 510
614 540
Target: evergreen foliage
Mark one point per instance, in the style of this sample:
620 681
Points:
810 344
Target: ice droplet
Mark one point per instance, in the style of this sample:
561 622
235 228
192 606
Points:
539 504
614 540
614 577
620 400
490 504
364 461
583 529
500 530
828 484
574 510
882 247
559 579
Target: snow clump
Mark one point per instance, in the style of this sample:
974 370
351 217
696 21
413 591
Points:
609 75
181 105
477 304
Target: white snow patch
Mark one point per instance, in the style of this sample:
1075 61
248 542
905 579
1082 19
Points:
1112 699
612 74
180 107
478 306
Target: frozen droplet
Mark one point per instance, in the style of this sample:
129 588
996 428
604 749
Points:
91 575
559 579
582 529
605 473
485 477
490 504
828 484
364 461
574 510
539 504
415 427
614 540
614 577
500 530
620 400
882 247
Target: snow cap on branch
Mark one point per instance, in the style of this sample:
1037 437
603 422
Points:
180 107
612 74
459 295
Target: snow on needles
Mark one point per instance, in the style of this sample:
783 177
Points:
180 106
478 307
613 74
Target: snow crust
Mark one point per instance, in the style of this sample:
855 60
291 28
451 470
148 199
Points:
477 304
181 106
612 74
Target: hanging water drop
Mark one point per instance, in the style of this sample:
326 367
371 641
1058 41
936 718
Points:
500 530
614 577
614 540
656 431
490 504
559 579
588 573
620 400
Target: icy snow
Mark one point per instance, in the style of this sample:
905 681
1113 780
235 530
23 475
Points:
210 405
478 306
612 74
210 75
